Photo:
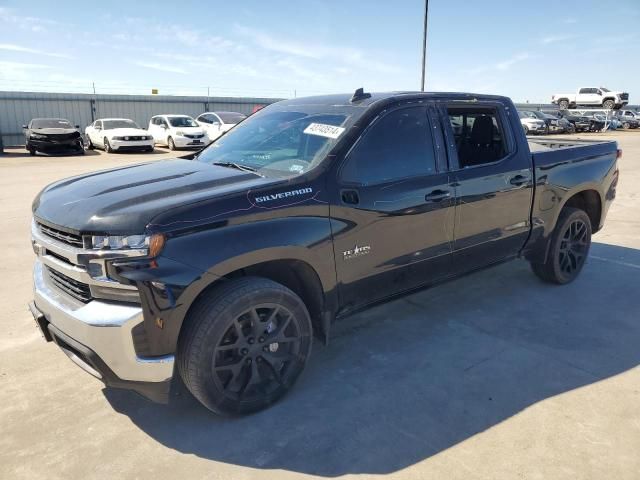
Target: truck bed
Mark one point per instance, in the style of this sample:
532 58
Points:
547 152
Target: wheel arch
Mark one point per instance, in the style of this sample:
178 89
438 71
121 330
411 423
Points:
290 270
589 200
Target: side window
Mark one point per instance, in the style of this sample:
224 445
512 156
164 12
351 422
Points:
398 145
98 123
204 118
584 90
154 121
479 135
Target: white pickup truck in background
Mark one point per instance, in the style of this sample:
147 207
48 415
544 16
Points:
590 96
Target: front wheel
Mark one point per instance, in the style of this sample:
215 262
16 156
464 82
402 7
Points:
243 345
172 146
89 143
107 145
526 129
570 243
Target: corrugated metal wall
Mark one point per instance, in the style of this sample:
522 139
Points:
17 108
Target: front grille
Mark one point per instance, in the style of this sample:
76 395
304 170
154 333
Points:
61 137
64 237
194 136
624 96
78 290
136 138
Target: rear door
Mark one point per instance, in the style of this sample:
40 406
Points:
494 184
392 209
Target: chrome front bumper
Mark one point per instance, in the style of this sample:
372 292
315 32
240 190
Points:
103 327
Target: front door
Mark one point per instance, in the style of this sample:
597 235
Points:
392 211
494 185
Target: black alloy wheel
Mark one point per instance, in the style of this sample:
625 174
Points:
253 356
569 248
574 247
244 344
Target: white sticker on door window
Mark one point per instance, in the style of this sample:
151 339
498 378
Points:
324 130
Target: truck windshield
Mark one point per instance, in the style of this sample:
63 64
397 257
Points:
50 123
283 141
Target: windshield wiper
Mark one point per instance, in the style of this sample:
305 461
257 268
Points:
237 166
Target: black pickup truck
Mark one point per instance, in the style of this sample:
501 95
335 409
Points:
222 268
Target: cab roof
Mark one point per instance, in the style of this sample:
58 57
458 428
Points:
346 98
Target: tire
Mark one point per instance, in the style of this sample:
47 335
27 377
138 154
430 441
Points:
626 126
107 146
170 144
89 143
546 130
608 104
570 243
526 129
563 104
32 151
227 356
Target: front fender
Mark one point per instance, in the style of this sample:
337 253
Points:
210 255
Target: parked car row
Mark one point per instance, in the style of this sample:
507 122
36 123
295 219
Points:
571 121
58 135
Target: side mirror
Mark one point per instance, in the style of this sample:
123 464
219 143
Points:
98 127
24 127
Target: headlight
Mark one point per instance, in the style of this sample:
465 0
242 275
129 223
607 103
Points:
38 135
116 242
179 132
118 138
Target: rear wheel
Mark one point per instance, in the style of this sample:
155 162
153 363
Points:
244 345
570 243
563 104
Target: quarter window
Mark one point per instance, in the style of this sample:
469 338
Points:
398 145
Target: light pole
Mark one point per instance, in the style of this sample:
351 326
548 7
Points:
424 43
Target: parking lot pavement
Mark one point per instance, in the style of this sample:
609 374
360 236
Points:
495 375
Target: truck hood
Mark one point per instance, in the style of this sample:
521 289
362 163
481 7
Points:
124 200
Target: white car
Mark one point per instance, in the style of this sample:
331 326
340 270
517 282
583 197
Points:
118 134
177 131
531 123
591 96
216 123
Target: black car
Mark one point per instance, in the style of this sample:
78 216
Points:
595 124
580 122
52 135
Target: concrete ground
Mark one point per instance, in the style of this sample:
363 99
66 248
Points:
493 376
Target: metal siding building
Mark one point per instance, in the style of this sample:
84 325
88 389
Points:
18 108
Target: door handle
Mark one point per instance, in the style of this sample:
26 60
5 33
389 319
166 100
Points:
518 180
350 197
437 195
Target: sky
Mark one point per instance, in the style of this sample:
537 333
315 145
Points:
523 49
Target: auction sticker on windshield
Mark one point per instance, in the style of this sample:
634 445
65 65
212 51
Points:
323 130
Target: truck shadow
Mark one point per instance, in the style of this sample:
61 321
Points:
404 381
